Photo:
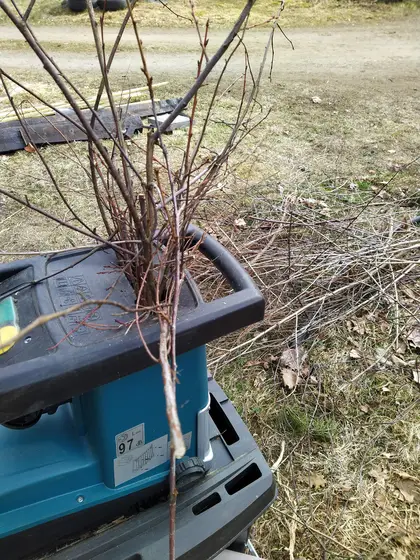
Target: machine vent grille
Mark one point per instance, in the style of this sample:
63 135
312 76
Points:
207 503
223 424
243 479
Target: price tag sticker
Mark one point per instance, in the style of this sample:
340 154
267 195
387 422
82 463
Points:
129 440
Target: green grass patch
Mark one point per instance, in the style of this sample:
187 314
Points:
298 423
297 13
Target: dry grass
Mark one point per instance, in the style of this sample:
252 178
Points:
355 427
222 14
351 430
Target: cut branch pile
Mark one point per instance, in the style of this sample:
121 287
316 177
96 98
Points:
317 265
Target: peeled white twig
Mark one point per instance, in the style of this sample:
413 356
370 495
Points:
177 439
279 461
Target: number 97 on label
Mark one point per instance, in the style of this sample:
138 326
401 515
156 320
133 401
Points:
129 440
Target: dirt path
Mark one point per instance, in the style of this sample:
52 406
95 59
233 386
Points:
384 53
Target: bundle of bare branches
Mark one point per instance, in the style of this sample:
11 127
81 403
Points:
145 207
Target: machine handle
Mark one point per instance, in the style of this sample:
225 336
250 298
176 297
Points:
37 383
222 259
229 313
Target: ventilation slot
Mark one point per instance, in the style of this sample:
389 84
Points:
243 479
207 503
223 424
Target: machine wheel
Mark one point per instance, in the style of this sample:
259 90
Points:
188 472
76 5
111 5
107 5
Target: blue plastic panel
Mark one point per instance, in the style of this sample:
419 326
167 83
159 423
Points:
66 462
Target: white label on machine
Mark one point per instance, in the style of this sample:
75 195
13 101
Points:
129 440
141 460
187 440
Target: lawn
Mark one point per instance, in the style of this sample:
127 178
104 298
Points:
297 13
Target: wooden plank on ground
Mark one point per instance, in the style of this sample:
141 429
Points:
56 129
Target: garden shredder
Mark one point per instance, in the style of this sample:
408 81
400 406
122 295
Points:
84 437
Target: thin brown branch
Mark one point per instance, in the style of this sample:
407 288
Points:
209 67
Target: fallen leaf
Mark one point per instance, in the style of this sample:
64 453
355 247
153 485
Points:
312 202
385 389
316 99
379 475
354 354
292 358
359 327
414 338
382 501
253 363
290 378
409 490
406 476
364 408
391 151
416 376
317 481
240 223
29 148
398 361
381 354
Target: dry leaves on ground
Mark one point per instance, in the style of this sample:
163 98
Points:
240 223
409 490
354 354
407 485
293 358
290 378
414 338
294 371
379 475
317 480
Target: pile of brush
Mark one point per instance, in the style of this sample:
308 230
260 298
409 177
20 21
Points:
339 253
